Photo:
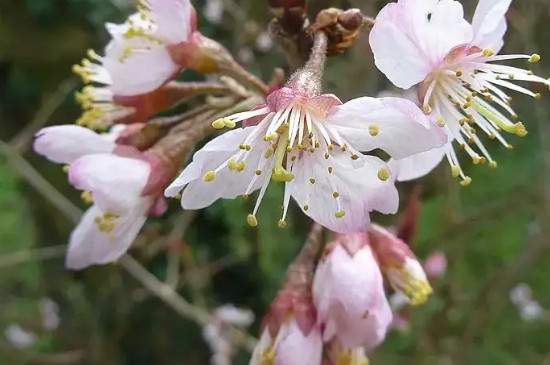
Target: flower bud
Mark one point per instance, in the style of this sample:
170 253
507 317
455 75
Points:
400 265
289 346
348 292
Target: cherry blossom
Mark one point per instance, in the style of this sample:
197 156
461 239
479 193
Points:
114 184
348 293
454 63
311 143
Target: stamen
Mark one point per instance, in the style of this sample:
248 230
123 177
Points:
383 174
251 220
209 176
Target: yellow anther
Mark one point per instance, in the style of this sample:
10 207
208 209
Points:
258 172
209 176
232 165
330 147
251 220
271 137
538 96
344 148
330 169
493 164
476 160
293 158
455 171
269 153
459 73
514 117
427 109
534 58
281 224
240 166
340 214
327 155
383 174
306 208
247 147
354 157
488 52
242 147
229 123
312 181
66 169
467 181
509 147
86 197
441 121
245 197
336 194
317 145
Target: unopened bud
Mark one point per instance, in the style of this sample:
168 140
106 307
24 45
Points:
400 265
351 19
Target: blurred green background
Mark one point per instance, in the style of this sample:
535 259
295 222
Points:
494 232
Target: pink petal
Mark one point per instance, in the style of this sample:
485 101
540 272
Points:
134 75
293 348
66 143
116 183
489 24
360 190
89 246
394 125
173 18
416 166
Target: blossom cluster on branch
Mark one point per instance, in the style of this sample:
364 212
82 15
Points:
126 158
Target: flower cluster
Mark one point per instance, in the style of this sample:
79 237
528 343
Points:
327 154
344 309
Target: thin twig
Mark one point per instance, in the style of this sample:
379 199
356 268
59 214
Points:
177 303
23 168
21 141
38 254
174 258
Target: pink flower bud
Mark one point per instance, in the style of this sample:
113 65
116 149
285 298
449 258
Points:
348 292
400 265
289 346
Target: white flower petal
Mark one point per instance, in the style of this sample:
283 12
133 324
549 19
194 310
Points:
132 73
116 183
173 18
227 184
66 143
293 348
394 125
360 190
89 246
411 37
416 166
489 24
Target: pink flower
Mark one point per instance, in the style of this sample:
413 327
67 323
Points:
115 185
125 71
429 43
399 264
312 144
348 292
290 346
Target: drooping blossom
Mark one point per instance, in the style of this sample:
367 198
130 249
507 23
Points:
454 63
399 265
137 62
289 346
113 182
348 292
312 144
435 265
